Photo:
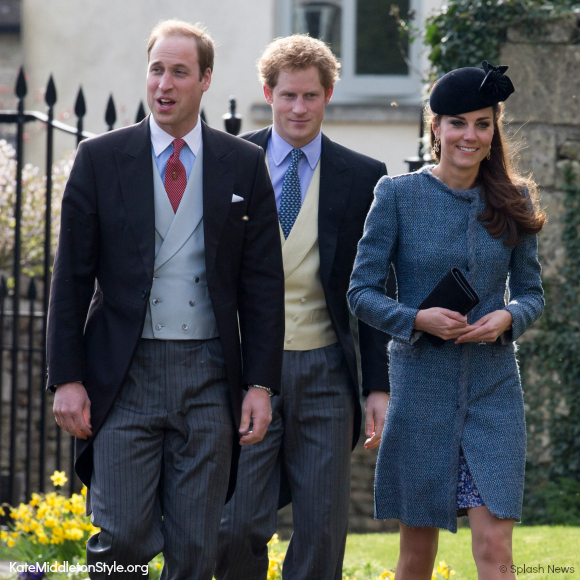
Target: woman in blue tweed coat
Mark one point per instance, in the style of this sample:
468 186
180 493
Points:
454 438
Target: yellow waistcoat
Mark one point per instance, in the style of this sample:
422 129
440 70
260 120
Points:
308 324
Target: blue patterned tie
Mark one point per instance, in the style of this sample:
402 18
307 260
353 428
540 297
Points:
291 199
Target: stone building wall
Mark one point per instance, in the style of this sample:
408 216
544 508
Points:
544 118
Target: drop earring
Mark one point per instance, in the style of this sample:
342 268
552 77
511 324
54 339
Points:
435 148
488 156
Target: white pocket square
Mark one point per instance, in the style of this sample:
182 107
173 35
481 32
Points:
236 198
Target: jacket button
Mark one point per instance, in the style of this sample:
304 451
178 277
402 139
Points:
302 300
197 279
155 301
184 327
144 294
158 327
192 302
295 318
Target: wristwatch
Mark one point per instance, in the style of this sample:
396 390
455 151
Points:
267 389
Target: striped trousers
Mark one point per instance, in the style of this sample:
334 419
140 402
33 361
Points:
310 439
162 462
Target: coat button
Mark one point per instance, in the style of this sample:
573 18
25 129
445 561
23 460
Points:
302 300
192 302
158 327
155 301
197 279
184 327
295 318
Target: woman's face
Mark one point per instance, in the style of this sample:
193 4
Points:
466 138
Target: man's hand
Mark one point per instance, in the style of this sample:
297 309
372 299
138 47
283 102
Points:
375 413
72 409
256 406
488 328
445 324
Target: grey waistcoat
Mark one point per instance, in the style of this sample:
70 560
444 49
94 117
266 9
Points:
179 305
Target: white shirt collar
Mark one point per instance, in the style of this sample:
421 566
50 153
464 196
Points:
281 148
161 140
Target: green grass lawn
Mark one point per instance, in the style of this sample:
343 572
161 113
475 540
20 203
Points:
533 546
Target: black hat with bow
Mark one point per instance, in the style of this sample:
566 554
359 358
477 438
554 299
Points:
469 89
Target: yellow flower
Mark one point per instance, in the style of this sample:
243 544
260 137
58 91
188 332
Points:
50 522
10 543
59 478
35 500
84 490
73 534
3 535
51 499
2 512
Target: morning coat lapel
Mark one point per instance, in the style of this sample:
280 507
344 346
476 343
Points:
335 188
136 178
219 176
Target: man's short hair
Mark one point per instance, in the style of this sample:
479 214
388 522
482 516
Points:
176 27
298 52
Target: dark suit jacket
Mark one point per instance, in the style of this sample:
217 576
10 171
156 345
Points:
103 269
347 182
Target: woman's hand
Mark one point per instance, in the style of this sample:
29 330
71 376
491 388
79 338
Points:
488 328
445 324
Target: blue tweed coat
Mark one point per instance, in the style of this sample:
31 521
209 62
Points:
456 395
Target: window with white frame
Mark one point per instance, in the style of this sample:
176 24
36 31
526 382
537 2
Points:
377 63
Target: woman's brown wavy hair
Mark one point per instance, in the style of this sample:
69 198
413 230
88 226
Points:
508 212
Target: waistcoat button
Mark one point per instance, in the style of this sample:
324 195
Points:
192 302
303 300
184 327
197 279
158 327
155 301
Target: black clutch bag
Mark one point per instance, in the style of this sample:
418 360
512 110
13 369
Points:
453 293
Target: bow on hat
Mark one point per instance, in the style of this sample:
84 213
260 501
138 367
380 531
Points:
495 85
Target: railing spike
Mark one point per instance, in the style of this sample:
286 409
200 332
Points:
140 113
50 95
111 113
21 88
31 290
80 107
232 120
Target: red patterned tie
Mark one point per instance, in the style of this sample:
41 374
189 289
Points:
175 176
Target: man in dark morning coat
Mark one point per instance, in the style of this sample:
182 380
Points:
323 192
169 236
